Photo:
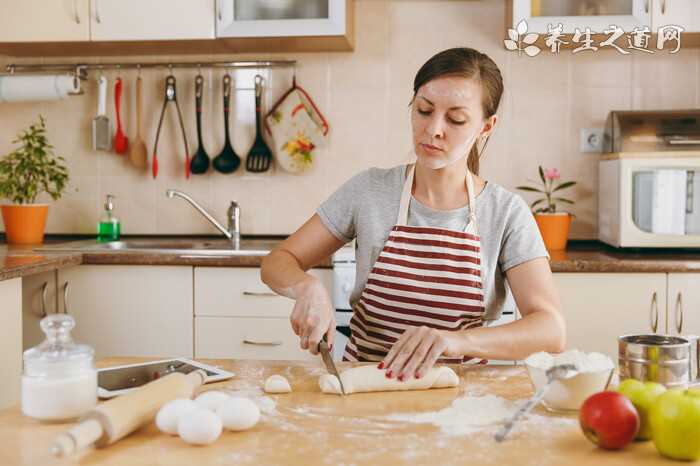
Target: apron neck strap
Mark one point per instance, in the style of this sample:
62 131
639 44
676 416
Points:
402 219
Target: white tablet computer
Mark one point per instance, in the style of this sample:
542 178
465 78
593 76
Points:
117 380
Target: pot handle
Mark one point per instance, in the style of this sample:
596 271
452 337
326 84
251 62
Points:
654 313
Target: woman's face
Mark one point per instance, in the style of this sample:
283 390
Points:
447 117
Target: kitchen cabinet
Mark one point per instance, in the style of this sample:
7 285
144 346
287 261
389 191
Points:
42 21
10 341
596 15
274 18
137 20
683 317
39 298
684 13
125 310
599 307
238 316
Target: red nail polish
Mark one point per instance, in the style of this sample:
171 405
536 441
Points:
418 375
401 377
388 374
380 365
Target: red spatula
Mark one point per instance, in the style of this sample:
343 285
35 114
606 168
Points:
121 142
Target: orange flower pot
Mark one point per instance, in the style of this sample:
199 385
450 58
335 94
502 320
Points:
24 223
554 229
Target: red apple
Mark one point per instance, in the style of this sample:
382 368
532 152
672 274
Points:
609 420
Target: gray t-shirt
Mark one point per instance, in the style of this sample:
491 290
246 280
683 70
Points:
366 207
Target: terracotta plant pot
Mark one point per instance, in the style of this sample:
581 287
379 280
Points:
554 229
24 223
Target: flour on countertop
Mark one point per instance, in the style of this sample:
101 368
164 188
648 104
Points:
584 362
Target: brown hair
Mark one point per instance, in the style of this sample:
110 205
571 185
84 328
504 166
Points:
471 64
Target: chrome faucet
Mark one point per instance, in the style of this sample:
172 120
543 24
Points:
233 215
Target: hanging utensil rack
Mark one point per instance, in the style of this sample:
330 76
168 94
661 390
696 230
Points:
81 70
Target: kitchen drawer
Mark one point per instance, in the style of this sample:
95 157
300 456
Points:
247 338
239 292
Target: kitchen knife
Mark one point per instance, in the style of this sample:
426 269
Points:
328 361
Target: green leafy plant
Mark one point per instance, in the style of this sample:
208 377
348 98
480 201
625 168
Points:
549 185
32 168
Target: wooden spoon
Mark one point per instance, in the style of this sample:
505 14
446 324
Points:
138 153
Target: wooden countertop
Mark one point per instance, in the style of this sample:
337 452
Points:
581 256
308 427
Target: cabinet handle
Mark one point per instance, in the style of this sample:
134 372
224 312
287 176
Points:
97 12
43 299
663 7
654 313
258 293
75 11
218 10
679 313
262 343
65 298
646 6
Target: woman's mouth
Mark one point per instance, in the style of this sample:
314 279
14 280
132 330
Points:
431 149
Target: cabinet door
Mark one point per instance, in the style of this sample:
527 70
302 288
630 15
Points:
684 303
151 20
38 300
573 14
599 307
10 341
684 13
130 310
44 21
272 18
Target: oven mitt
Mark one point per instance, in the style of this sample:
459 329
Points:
297 130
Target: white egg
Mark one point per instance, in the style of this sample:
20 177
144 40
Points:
212 399
277 384
169 414
238 413
200 427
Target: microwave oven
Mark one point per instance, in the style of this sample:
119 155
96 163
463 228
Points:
649 180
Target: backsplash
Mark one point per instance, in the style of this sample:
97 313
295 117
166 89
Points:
364 96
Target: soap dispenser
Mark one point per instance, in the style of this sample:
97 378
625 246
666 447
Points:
108 226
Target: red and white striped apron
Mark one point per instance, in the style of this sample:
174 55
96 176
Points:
423 276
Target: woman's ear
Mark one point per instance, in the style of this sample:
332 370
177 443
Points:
488 127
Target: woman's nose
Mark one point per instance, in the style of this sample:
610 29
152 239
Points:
435 128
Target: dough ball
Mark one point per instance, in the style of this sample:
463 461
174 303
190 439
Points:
277 384
446 378
200 427
212 399
238 413
171 412
329 383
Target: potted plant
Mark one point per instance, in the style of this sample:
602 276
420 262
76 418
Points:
29 170
553 224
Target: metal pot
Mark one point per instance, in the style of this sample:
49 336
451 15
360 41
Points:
656 358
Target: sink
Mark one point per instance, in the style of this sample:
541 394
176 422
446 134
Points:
215 247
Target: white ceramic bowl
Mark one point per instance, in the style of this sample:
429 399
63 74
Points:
569 394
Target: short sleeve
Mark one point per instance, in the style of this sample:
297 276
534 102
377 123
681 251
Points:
522 240
339 212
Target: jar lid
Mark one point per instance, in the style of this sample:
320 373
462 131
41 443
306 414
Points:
58 354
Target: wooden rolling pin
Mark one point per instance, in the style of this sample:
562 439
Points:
114 419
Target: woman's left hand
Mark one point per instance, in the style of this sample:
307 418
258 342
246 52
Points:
415 353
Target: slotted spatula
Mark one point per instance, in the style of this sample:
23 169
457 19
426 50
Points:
260 156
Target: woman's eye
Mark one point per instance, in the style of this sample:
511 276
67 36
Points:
424 112
457 122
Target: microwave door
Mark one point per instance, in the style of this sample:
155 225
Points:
643 185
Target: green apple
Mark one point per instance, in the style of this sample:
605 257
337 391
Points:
642 395
675 424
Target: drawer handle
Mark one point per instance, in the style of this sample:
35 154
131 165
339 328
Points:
259 293
65 298
262 343
679 313
654 313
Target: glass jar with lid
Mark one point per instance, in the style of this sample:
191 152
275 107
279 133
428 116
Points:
59 381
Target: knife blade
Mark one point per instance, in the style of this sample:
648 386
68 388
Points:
328 361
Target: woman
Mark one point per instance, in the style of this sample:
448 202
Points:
428 280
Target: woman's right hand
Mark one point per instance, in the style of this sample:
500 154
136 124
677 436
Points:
313 315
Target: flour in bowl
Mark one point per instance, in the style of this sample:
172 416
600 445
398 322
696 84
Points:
584 362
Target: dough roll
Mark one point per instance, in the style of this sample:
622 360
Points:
370 379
